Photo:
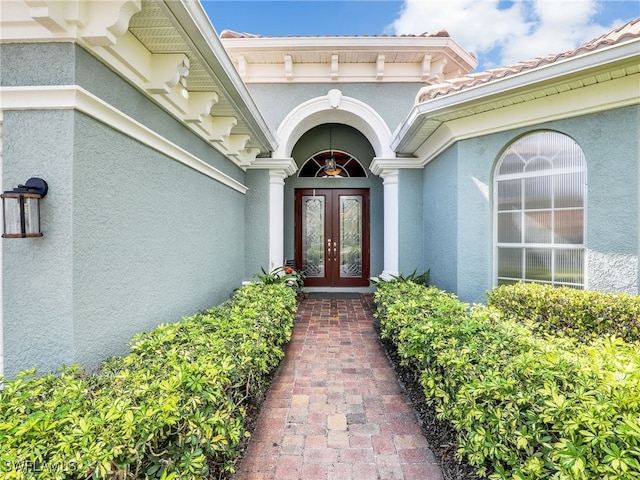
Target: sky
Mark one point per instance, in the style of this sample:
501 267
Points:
498 32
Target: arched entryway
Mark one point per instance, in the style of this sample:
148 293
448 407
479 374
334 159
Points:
333 216
334 108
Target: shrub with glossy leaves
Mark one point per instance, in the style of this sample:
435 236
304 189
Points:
582 314
173 408
525 406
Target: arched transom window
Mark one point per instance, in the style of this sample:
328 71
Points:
346 165
539 211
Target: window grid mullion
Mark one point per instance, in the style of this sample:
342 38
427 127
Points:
563 186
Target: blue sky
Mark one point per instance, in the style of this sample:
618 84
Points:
499 32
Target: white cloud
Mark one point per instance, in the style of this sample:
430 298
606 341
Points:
505 32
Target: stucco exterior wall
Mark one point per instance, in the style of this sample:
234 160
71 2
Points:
38 272
391 100
474 217
458 203
410 231
152 240
132 238
440 219
610 143
256 223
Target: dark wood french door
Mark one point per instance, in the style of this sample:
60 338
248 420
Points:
332 236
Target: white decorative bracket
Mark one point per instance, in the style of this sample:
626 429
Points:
334 67
236 142
98 23
221 128
165 74
108 21
242 66
52 16
288 67
200 105
436 74
426 67
380 67
246 156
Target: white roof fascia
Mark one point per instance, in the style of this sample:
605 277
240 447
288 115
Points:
339 44
345 43
199 32
467 97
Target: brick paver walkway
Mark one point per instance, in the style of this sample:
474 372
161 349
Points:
335 410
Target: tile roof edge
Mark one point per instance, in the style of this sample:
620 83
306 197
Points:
226 34
628 31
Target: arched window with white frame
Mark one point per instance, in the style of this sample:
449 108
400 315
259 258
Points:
345 165
539 190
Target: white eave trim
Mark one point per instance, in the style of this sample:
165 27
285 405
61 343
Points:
493 90
72 97
102 28
205 41
287 166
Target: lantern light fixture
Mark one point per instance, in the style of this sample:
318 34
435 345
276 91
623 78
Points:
331 168
21 208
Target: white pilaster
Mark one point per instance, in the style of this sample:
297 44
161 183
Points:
279 169
276 218
391 206
1 260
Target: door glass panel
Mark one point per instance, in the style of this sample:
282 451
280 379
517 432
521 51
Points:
350 236
313 235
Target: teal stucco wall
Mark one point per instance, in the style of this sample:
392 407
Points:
458 203
132 238
392 101
440 220
410 220
611 145
38 272
256 223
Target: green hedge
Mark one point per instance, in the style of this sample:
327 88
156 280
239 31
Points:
562 310
173 408
525 407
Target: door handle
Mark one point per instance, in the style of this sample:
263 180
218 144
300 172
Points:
328 249
335 255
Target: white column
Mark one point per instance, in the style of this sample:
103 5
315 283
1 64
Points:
390 189
276 218
1 260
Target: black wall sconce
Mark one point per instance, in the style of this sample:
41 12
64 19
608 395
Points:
21 207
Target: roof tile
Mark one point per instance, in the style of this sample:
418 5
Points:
627 31
232 34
